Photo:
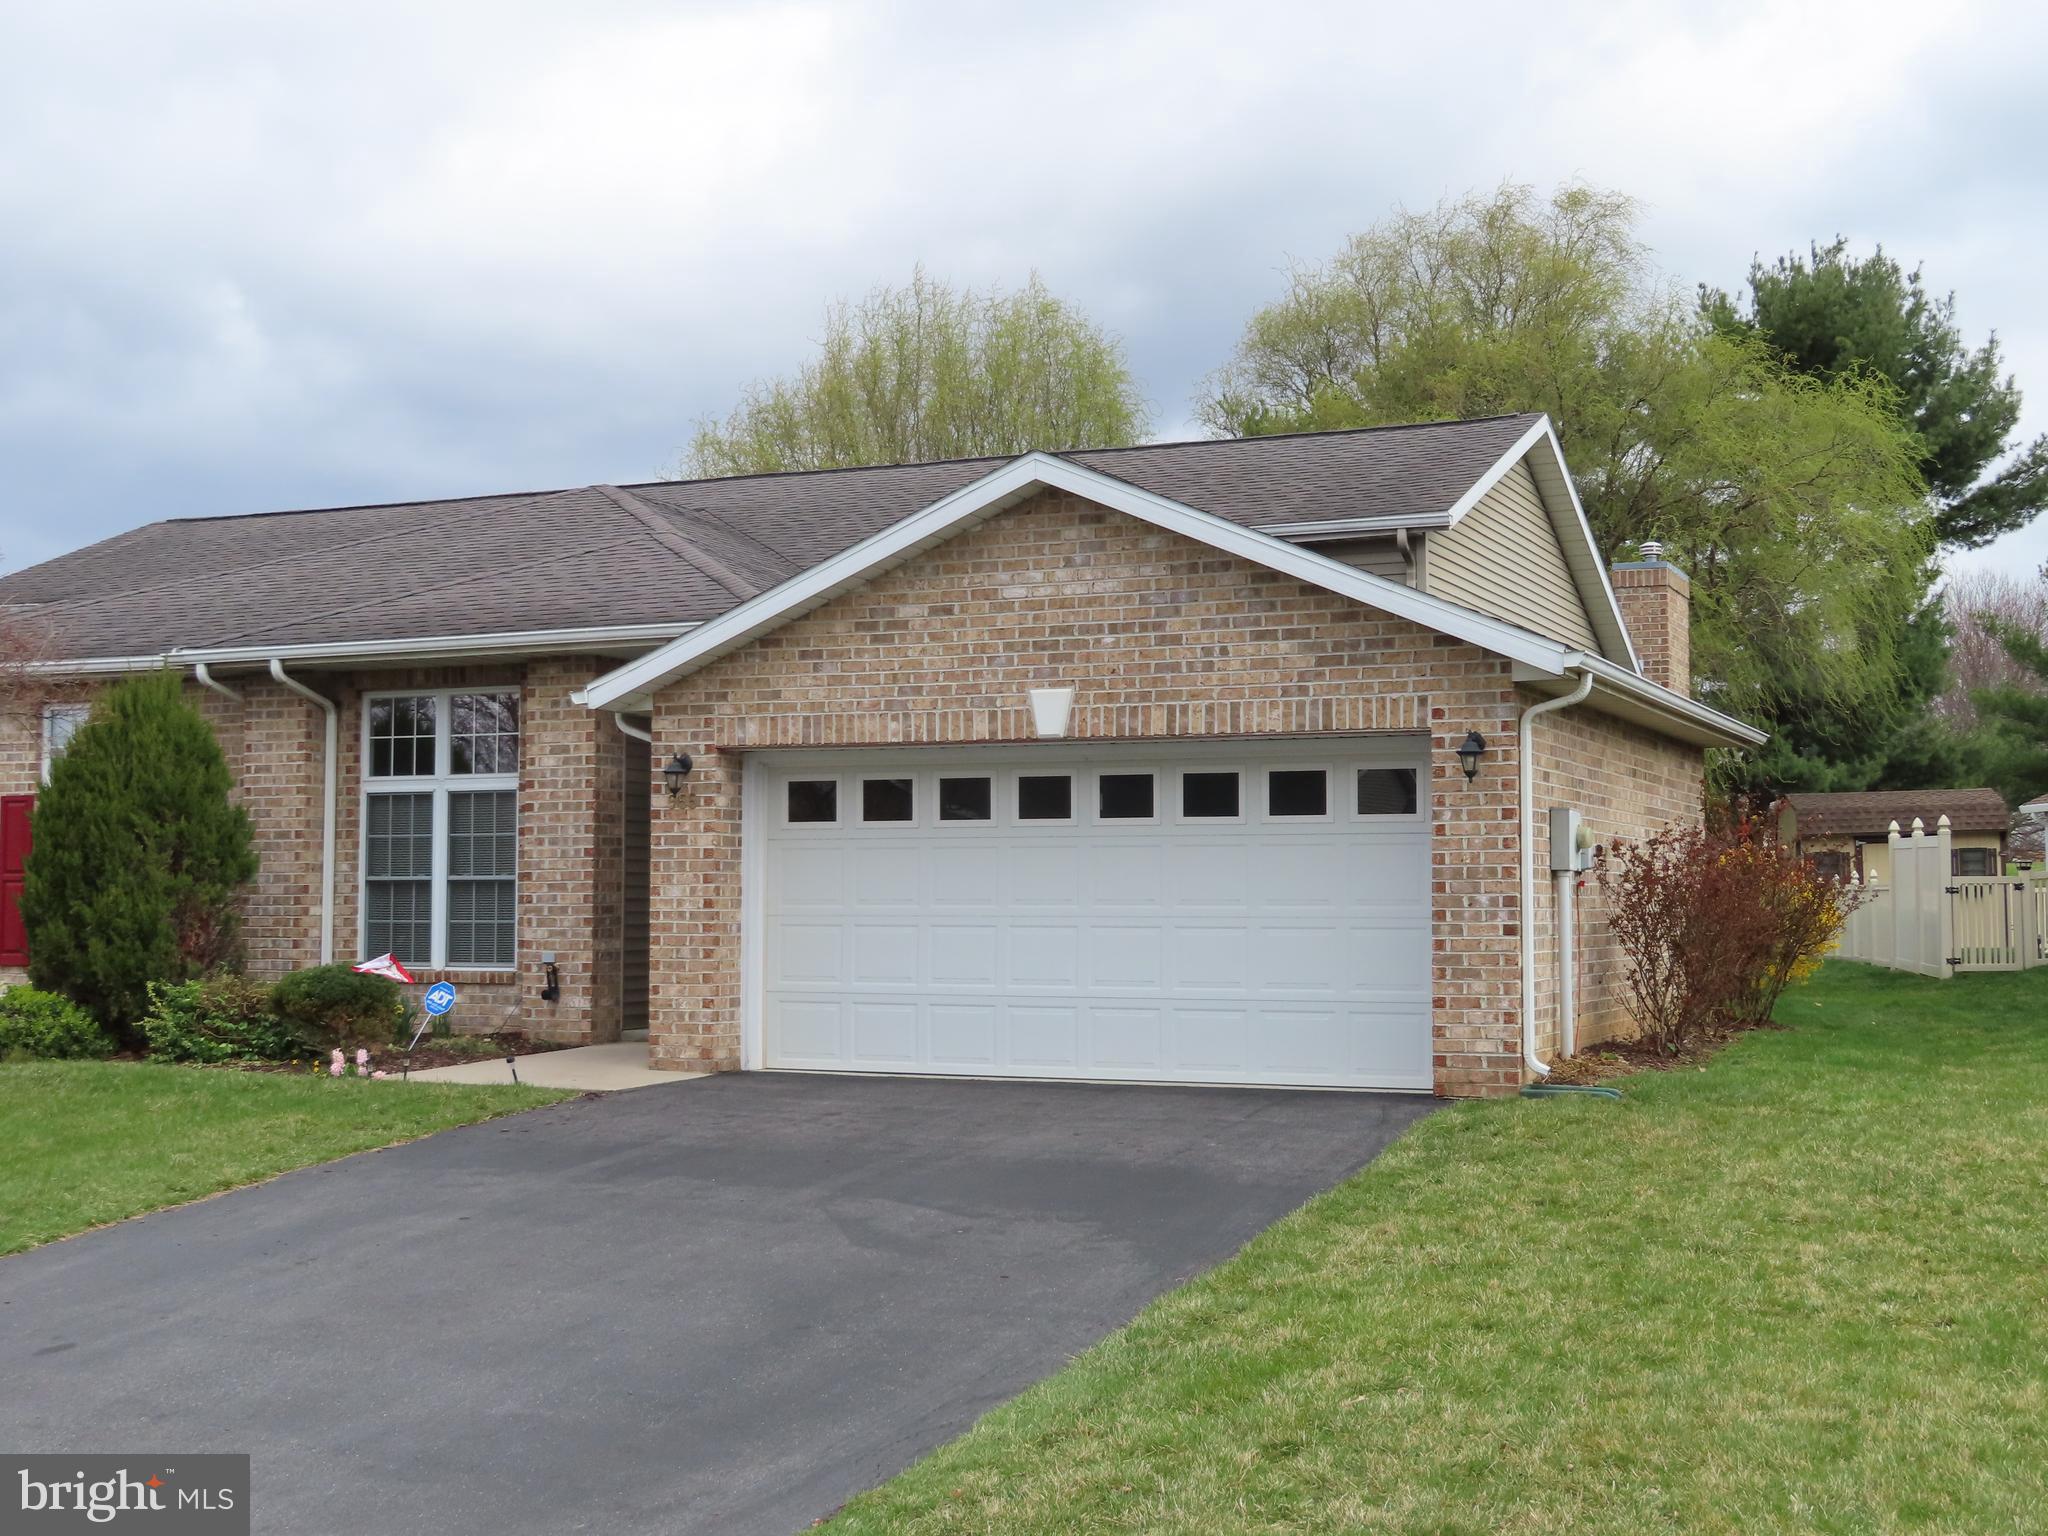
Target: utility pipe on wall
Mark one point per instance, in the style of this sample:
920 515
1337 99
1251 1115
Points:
1567 964
1525 772
328 810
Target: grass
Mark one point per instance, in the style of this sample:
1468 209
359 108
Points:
83 1143
1802 1289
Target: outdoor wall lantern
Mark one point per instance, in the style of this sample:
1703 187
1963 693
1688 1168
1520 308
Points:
678 769
1470 750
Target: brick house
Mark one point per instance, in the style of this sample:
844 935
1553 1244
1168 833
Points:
1137 764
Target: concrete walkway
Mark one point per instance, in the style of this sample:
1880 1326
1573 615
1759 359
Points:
589 1068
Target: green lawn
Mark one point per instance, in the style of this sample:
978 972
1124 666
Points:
83 1143
1802 1289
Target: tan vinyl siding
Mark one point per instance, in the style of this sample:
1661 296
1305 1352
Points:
1382 557
1503 558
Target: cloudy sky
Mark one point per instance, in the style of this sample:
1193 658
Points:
266 255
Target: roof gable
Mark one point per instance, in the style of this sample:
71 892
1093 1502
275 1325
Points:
1004 488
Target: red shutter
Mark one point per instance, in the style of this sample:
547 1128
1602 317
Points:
14 828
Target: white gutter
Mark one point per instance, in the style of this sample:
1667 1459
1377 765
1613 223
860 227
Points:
328 810
206 679
424 647
1525 772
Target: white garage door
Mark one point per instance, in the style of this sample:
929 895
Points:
1195 916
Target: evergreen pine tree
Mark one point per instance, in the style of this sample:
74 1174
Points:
138 855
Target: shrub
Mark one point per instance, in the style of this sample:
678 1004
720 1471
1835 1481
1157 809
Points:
42 1024
138 855
1715 922
328 1005
218 1018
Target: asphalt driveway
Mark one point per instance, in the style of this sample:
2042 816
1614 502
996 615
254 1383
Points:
722 1306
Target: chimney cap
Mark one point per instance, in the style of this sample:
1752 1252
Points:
1652 549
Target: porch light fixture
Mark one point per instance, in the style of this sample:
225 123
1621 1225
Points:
678 769
1470 750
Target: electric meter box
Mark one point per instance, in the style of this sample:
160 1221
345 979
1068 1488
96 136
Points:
1571 841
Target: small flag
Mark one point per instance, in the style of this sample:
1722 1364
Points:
384 965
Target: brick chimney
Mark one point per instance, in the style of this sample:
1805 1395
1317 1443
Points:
1656 605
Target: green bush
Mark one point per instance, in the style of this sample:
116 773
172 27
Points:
138 858
42 1024
329 1005
218 1018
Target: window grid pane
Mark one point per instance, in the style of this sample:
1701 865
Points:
398 919
483 733
482 836
480 922
1386 791
402 737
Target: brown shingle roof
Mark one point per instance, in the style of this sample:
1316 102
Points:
666 552
1871 812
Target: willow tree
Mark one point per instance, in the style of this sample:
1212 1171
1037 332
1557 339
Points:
926 371
1794 500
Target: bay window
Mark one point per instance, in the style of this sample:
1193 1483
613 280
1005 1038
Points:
440 827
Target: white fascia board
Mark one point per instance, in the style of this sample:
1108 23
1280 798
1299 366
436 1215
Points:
434 647
1589 567
1672 711
1006 486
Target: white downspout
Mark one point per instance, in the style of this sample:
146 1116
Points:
206 679
328 810
1525 771
632 730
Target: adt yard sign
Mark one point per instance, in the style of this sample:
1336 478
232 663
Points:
439 999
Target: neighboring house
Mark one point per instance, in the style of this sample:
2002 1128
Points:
1131 764
1845 834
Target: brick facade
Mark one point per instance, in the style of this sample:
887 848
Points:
1161 637
573 767
1655 597
1626 781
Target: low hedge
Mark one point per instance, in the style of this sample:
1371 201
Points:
44 1026
219 1018
330 1005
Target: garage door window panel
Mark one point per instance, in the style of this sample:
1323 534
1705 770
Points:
1386 793
1045 797
1126 797
1298 794
966 798
890 800
1211 795
811 802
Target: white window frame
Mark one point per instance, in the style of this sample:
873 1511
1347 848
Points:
1078 786
1163 783
52 713
439 784
1334 783
1248 784
1349 788
839 802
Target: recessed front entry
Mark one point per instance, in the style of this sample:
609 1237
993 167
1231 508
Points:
1217 913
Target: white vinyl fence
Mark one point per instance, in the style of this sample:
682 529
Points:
1933 923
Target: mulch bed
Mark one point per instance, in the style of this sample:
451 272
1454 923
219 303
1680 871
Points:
1620 1058
446 1052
